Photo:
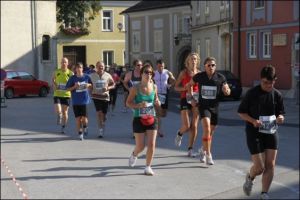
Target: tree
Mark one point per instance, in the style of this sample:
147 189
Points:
75 16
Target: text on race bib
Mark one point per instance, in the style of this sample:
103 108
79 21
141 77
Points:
148 110
269 125
209 92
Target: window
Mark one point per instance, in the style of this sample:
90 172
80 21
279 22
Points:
198 8
259 4
186 25
266 45
207 45
45 47
136 41
198 47
107 20
158 40
252 45
25 76
108 58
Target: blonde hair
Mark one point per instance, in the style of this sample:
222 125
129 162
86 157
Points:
186 62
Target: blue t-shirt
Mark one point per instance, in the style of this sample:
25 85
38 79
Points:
81 95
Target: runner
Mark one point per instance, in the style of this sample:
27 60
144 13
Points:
78 85
188 125
162 79
133 78
125 91
211 84
102 84
113 93
61 96
144 100
262 108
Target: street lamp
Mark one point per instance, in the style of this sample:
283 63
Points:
120 26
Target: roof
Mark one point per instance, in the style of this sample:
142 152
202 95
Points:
150 5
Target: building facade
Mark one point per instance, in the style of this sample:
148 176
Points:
159 29
28 30
211 31
266 32
106 40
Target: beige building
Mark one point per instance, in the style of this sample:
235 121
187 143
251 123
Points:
27 31
106 40
159 29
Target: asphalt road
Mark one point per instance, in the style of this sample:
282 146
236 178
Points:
41 163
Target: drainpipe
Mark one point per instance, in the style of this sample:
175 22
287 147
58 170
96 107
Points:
239 40
34 38
128 40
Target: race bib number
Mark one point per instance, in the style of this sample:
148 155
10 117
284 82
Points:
269 125
134 83
61 86
82 87
148 110
162 98
195 97
100 84
209 92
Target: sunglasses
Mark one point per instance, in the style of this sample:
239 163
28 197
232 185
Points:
211 65
148 72
139 65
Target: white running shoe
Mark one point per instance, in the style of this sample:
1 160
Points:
101 133
132 160
191 153
202 155
264 196
209 160
247 187
148 171
178 139
81 136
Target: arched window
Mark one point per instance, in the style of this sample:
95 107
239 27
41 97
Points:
46 47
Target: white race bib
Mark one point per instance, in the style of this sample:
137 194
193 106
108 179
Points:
61 87
148 110
269 125
134 83
209 92
162 98
82 87
100 84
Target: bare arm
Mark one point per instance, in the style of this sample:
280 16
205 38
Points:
171 78
130 100
178 86
126 80
256 123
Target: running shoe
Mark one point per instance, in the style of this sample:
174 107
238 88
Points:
59 119
264 195
148 171
191 153
178 139
209 160
62 130
81 136
101 133
247 187
132 160
85 131
202 155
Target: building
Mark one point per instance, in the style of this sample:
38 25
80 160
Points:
211 31
159 29
106 40
266 32
28 30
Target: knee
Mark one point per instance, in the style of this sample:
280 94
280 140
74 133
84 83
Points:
270 166
259 169
140 148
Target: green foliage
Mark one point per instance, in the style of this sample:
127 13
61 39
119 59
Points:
76 14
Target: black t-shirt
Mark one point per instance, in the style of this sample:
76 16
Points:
209 89
261 103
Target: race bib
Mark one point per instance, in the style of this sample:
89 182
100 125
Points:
209 92
269 125
148 110
82 87
61 86
134 83
195 97
100 84
162 98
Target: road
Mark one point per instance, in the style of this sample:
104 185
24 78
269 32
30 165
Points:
41 163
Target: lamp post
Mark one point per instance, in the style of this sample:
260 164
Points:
120 26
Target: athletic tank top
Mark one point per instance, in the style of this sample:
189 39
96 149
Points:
161 80
134 80
61 79
140 97
186 79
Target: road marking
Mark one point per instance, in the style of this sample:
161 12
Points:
25 196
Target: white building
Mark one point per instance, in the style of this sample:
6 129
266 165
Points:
27 32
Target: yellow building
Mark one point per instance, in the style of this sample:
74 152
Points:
106 40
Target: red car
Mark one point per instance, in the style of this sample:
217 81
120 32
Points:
20 83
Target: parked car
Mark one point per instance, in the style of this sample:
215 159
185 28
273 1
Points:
20 83
234 84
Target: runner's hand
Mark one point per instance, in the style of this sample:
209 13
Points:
280 119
